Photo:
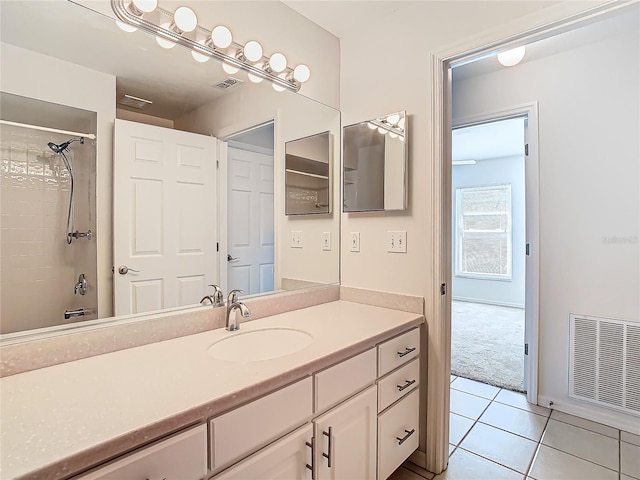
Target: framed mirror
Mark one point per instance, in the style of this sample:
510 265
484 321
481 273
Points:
308 175
375 157
73 71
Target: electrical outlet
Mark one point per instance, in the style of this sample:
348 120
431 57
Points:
355 241
326 241
397 242
296 239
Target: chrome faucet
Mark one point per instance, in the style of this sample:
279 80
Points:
81 286
232 305
217 299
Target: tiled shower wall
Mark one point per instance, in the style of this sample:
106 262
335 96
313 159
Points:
38 269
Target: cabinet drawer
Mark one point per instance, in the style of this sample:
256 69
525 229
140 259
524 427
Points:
181 457
398 351
394 426
343 380
398 384
242 431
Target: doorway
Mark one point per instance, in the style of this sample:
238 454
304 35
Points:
488 252
250 205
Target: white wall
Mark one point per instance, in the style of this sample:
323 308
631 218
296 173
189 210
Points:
39 76
495 171
589 119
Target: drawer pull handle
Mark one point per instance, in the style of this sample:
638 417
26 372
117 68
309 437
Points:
407 351
408 434
328 455
312 447
406 385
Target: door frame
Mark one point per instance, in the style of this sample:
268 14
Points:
532 230
544 23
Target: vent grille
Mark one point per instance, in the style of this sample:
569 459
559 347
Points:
604 365
227 83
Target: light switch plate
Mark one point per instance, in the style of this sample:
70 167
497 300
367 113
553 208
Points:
397 241
355 242
296 239
326 241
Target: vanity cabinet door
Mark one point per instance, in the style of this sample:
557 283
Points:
345 439
286 459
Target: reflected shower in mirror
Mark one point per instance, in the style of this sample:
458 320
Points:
375 164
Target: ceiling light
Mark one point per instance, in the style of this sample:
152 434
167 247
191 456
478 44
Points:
301 73
125 27
199 57
140 7
229 68
455 163
185 19
163 42
252 51
511 57
393 119
277 62
221 36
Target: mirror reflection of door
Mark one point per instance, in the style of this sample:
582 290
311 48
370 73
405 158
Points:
164 217
250 207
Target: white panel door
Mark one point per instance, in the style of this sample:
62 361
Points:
165 217
348 436
250 221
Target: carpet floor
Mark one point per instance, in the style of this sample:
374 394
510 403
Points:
487 344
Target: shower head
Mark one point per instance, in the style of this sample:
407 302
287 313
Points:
63 146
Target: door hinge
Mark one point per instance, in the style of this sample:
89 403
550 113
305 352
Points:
526 249
217 164
217 246
526 149
526 349
443 289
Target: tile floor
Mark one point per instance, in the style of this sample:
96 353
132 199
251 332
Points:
495 434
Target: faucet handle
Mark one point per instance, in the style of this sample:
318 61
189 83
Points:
233 295
218 296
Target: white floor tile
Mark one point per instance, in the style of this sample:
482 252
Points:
453 377
582 443
630 459
625 477
514 420
502 447
467 405
630 438
519 400
475 388
468 466
583 423
551 464
458 427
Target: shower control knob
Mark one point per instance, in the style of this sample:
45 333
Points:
123 270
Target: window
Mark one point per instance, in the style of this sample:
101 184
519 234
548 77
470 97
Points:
483 232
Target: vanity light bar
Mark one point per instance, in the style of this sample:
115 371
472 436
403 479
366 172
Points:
387 126
289 78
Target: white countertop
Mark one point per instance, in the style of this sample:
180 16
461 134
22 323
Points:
59 420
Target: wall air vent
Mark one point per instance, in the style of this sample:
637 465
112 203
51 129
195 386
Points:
227 83
604 362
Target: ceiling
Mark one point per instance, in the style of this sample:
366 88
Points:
500 139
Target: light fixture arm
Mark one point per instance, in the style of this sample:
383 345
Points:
124 15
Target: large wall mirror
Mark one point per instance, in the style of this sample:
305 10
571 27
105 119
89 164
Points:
179 181
375 164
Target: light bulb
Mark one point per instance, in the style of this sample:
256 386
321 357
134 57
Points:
278 62
255 78
221 36
511 57
401 137
393 135
185 19
144 6
393 119
125 27
382 130
163 42
371 126
252 51
277 87
200 57
230 69
301 73
401 123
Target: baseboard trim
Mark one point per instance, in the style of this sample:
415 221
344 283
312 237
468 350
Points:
487 302
617 420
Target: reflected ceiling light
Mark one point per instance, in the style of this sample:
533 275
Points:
185 20
278 88
140 7
221 36
382 130
511 57
393 135
255 78
252 51
371 126
393 119
163 42
277 62
235 56
125 27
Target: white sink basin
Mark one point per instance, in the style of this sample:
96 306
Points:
258 345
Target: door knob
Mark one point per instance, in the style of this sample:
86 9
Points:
123 270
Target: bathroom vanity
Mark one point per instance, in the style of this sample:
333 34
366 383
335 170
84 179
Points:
329 391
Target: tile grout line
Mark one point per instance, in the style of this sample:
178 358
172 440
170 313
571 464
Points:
535 454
